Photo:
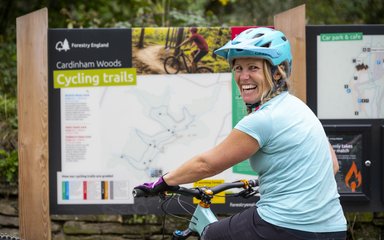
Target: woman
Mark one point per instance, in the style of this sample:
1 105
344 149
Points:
286 145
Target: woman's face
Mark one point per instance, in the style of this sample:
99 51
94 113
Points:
250 78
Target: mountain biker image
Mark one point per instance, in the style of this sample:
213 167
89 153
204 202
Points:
284 142
201 44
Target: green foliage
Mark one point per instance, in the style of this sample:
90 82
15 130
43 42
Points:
345 12
8 123
8 166
8 67
119 13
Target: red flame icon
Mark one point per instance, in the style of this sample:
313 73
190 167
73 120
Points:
353 178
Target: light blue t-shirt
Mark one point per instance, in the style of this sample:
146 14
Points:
297 185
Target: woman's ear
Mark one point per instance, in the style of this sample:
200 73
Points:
277 75
280 71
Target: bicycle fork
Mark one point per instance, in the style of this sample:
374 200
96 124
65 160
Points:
202 216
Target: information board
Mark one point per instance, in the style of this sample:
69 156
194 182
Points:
349 152
117 119
349 71
351 144
345 89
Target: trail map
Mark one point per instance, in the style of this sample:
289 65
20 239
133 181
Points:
123 136
350 76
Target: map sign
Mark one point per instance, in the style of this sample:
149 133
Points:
350 76
118 117
345 88
139 133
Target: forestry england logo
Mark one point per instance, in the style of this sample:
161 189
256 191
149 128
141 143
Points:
65 45
62 45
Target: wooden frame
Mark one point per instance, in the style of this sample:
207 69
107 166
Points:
32 88
292 23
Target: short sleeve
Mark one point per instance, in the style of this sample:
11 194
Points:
258 125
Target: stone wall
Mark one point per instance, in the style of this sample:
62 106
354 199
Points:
90 227
361 226
9 220
95 227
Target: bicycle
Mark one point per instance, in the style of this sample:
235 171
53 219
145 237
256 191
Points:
203 214
173 64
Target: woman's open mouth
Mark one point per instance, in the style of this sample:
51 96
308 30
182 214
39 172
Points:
248 88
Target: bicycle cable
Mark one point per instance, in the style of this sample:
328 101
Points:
164 216
180 202
166 201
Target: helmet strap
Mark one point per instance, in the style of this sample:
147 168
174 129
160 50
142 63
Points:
253 106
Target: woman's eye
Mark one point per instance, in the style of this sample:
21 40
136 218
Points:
237 68
253 68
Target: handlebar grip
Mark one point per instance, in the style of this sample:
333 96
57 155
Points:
136 192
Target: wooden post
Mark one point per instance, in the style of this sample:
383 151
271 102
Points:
32 89
292 23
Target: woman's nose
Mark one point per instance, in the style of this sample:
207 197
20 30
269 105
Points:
244 74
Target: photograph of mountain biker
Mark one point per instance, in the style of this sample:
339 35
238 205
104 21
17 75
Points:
285 143
200 42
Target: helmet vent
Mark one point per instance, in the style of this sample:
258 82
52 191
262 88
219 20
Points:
267 45
258 35
284 38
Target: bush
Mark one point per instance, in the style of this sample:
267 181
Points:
8 123
9 166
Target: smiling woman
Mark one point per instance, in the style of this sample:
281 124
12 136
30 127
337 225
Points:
286 145
249 76
256 81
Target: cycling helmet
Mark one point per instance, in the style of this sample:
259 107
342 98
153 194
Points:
261 42
193 29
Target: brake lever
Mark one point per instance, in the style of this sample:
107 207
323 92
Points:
247 193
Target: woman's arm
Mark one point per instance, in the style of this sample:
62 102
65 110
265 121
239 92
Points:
334 160
237 147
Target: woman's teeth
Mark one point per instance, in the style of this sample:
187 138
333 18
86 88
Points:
248 87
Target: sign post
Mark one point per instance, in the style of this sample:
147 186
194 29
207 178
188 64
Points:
32 89
292 23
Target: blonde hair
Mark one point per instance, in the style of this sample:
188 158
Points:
274 87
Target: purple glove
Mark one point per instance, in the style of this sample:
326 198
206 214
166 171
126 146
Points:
156 187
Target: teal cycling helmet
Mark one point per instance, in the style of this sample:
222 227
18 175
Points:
261 42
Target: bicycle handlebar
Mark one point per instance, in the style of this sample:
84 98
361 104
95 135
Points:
139 193
196 192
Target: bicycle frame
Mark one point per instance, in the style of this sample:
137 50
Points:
185 57
199 220
204 217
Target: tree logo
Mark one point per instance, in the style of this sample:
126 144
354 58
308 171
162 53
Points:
62 45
